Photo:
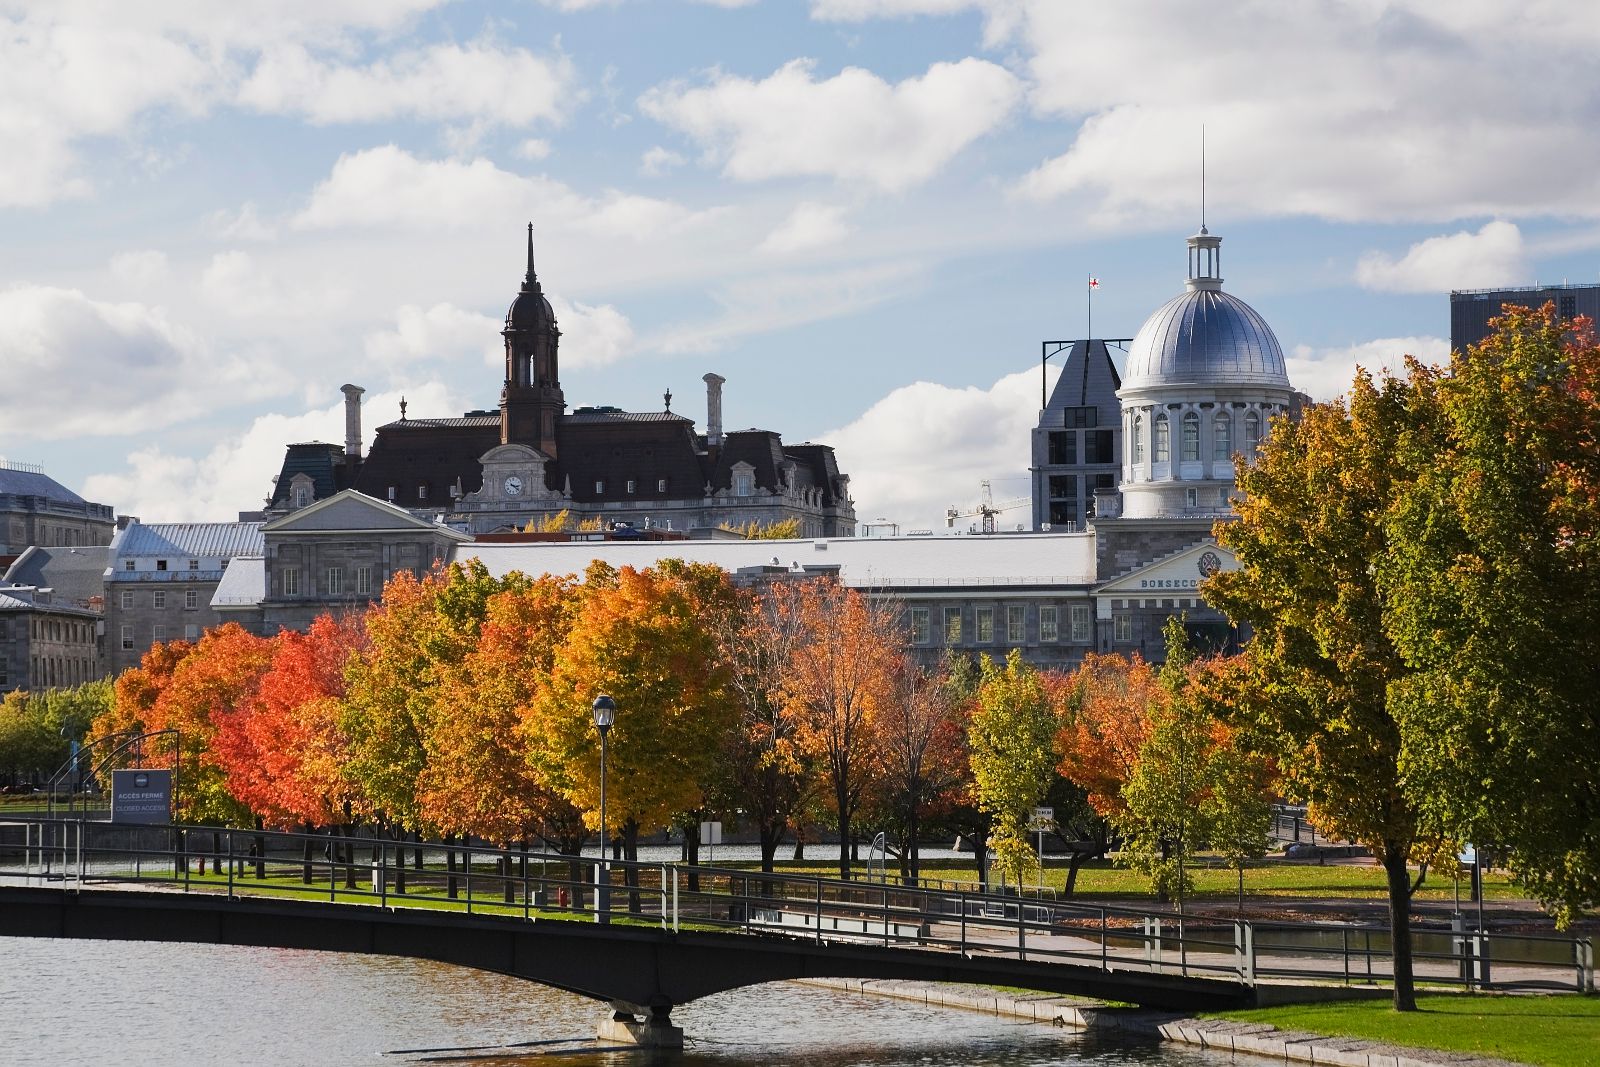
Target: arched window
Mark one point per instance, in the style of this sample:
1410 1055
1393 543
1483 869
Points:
1138 438
1252 433
1222 436
1191 436
1162 450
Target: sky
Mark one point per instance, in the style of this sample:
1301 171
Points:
865 214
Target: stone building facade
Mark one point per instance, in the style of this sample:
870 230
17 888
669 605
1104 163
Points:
161 579
35 509
45 645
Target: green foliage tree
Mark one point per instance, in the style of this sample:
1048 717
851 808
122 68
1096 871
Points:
1011 740
1312 690
1492 584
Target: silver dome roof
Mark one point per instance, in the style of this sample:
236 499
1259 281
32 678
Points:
1205 337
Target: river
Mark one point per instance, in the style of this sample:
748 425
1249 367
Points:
123 1002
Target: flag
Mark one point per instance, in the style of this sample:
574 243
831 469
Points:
1094 283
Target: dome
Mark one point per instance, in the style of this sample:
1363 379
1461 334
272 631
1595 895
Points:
530 310
1205 337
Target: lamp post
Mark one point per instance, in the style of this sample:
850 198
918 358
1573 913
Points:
605 713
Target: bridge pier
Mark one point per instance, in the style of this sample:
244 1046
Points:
655 1031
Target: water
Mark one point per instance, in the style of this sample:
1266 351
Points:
140 1002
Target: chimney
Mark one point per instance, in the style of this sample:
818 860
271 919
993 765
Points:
713 409
352 420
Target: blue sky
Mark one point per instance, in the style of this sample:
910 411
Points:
865 214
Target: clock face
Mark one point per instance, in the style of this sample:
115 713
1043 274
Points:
513 486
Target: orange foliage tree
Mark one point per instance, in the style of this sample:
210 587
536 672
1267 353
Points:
1104 708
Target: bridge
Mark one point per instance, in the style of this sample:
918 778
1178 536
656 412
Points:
644 937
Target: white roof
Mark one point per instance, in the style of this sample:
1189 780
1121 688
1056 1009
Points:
243 584
863 562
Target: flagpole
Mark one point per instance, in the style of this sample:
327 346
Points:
1091 310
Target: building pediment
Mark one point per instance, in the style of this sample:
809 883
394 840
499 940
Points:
350 510
1178 574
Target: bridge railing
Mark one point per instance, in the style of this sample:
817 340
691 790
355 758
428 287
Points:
478 879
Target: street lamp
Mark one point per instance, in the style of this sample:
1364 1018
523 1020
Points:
605 713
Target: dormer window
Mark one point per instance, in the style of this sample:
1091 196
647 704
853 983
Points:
161 564
302 496
661 485
632 485
422 492
599 486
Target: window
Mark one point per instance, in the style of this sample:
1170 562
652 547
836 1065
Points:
191 632
1122 624
363 579
1064 487
1191 436
743 484
1222 437
393 491
291 581
1063 447
1161 449
1080 622
599 486
302 495
1097 447
952 626
191 599
1078 417
919 626
1190 498
194 564
1138 438
158 599
985 625
661 485
127 638
1252 433
333 581
422 492
127 564
161 564
1014 624
127 600
160 634
1047 624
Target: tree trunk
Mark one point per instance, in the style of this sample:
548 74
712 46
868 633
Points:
846 845
630 848
261 850
908 849
349 855
691 849
1399 878
306 853
1073 863
771 838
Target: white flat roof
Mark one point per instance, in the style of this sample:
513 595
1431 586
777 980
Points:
863 562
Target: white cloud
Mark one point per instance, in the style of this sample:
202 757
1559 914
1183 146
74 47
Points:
1491 257
1381 111
764 303
389 186
235 282
657 160
475 81
926 446
591 335
140 269
809 225
443 333
854 126
533 148
245 224
96 369
236 475
1325 373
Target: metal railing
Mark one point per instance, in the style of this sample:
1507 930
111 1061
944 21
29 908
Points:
539 886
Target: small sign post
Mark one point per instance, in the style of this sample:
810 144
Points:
711 835
1043 819
141 795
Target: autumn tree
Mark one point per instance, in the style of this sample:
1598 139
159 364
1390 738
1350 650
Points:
1011 740
639 636
1104 710
476 778
206 688
1491 585
767 773
837 677
920 735
284 751
1315 685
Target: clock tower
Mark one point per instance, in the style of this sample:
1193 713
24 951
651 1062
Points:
531 402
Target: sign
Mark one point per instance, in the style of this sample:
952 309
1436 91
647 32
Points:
141 795
711 833
1043 819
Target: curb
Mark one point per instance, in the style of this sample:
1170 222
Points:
1255 1039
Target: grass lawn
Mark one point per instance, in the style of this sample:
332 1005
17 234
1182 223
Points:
1274 878
1558 1031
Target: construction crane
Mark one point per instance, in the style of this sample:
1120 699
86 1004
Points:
986 508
